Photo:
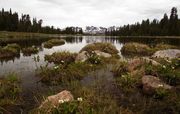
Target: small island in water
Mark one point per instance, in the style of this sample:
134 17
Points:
130 69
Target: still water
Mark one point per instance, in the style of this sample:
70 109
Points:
25 66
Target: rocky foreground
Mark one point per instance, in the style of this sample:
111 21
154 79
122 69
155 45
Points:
97 81
152 79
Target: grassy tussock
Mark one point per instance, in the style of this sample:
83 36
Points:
64 57
10 89
53 42
104 47
30 50
136 49
10 50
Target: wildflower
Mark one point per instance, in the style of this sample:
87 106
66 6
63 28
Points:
61 101
123 76
56 67
54 106
80 99
173 68
169 61
164 66
95 62
160 85
62 61
66 100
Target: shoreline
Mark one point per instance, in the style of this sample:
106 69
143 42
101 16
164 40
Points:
7 34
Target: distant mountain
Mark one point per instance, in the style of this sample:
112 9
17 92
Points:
99 30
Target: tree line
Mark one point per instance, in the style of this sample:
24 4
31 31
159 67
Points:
12 22
167 26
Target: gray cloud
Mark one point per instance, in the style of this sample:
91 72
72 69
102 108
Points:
62 13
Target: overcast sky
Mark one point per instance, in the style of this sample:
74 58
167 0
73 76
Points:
62 13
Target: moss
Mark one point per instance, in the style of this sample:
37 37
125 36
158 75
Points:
104 47
53 42
30 50
64 57
136 49
10 89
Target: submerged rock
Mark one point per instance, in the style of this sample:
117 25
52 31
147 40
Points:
151 83
169 53
55 100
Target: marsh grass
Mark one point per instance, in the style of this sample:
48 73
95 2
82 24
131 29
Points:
54 42
10 90
139 49
61 73
64 57
30 50
10 50
163 46
136 49
104 47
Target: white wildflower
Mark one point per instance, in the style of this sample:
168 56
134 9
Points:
160 85
66 100
61 101
80 99
173 68
56 67
62 61
95 62
164 66
123 76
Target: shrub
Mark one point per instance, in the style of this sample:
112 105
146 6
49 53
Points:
94 59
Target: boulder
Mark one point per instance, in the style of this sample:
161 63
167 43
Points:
82 56
134 64
102 54
55 100
153 62
169 53
151 83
